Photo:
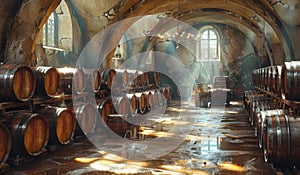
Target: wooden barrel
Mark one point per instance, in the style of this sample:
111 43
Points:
269 78
259 106
262 128
5 144
121 79
133 79
167 93
133 104
202 87
154 100
282 140
47 81
142 103
274 77
154 77
148 95
265 73
121 105
71 79
17 82
252 105
143 78
279 80
62 123
116 123
108 76
105 107
86 115
93 82
30 133
291 80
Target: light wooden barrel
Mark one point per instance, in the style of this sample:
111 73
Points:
142 103
62 122
86 115
108 76
105 107
133 104
121 105
93 82
71 79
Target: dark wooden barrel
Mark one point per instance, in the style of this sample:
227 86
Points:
105 107
71 79
253 98
262 128
148 94
142 103
143 78
108 76
167 93
62 123
5 143
259 106
30 133
121 105
291 80
255 78
154 77
116 123
93 82
86 115
265 73
17 82
282 140
279 81
274 77
47 81
133 104
269 78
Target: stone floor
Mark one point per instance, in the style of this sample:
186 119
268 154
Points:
220 142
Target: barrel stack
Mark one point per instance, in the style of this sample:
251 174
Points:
273 108
39 114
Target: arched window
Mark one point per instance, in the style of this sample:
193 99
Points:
209 44
50 31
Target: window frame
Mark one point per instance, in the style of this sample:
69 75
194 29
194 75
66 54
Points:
209 29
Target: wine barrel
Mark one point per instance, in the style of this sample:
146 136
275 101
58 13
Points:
17 82
30 133
148 95
282 140
154 77
86 115
71 79
262 124
274 77
62 122
143 78
121 79
269 78
142 103
259 106
105 107
133 78
121 105
154 100
167 93
252 106
133 104
47 81
291 80
116 123
93 82
279 80
108 76
5 144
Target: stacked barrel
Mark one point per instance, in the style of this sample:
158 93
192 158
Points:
273 108
134 94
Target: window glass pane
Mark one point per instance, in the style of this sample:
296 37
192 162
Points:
212 35
204 35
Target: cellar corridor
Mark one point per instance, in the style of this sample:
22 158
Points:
221 142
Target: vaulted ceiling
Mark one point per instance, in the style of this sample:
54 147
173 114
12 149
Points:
277 21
